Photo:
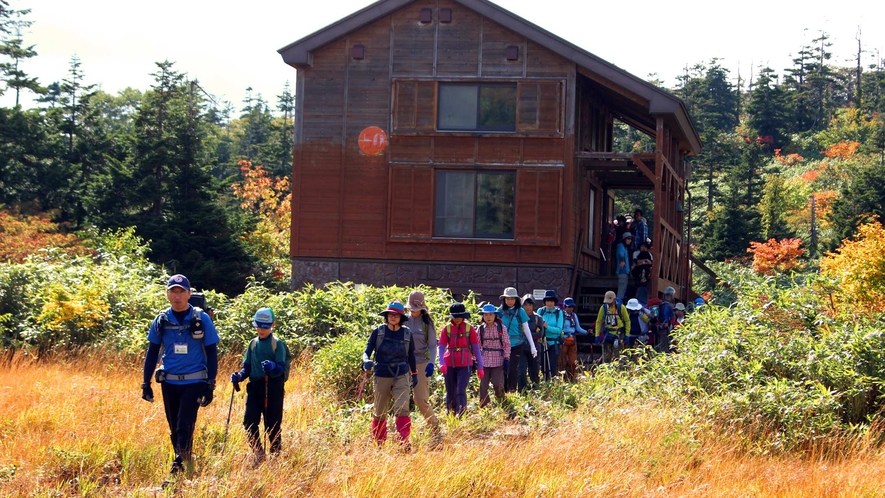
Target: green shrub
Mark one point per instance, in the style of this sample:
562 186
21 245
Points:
337 368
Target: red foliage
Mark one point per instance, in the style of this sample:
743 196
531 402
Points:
776 256
21 236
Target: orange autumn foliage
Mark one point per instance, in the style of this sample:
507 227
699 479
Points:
776 256
269 198
789 159
842 150
23 235
858 268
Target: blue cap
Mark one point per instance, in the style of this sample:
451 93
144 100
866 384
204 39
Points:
699 301
568 302
263 318
178 281
489 308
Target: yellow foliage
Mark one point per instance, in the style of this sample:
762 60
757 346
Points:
858 266
76 308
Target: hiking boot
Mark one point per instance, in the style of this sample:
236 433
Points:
257 459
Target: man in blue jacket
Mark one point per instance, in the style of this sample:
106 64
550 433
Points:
189 343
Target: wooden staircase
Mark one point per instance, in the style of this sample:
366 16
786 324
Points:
589 291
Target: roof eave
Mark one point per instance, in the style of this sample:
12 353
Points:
298 53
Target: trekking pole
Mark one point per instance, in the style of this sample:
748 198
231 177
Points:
266 425
229 409
359 396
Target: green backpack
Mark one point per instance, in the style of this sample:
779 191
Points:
273 348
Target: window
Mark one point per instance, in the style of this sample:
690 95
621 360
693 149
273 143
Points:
477 107
471 204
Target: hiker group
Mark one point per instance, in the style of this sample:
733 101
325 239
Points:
509 347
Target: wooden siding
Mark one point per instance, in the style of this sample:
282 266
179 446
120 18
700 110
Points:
350 205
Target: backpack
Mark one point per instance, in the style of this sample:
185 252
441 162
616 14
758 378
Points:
406 337
273 347
482 339
195 327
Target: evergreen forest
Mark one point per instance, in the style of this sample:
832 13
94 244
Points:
789 153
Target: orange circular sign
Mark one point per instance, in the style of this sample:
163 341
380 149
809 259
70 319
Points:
373 141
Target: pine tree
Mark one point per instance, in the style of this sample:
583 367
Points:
12 47
769 110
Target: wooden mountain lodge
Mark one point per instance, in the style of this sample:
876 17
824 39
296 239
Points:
453 143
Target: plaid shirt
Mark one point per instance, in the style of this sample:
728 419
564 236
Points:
641 233
495 344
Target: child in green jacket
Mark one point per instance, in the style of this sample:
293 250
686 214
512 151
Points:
264 364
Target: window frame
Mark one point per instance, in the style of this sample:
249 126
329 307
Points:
480 85
436 231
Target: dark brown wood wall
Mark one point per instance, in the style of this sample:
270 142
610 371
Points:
350 205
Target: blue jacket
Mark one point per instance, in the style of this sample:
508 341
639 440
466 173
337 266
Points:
622 255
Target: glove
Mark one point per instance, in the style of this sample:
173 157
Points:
506 363
368 365
147 393
208 394
443 368
268 366
480 373
236 378
414 380
599 339
428 371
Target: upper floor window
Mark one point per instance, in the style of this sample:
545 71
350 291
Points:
477 107
473 204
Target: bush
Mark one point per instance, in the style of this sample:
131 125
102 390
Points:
771 368
337 368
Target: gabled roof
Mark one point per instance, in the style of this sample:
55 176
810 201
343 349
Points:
660 102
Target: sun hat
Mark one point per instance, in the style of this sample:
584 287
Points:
609 297
416 302
489 308
568 302
263 318
679 306
457 310
510 292
633 304
551 294
396 307
178 281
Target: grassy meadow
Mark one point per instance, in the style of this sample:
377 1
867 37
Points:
77 426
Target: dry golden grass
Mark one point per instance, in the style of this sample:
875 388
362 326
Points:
78 427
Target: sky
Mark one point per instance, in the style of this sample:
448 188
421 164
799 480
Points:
229 46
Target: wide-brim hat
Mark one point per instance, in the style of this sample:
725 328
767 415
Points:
510 292
458 310
633 304
609 297
679 306
551 294
416 302
396 307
